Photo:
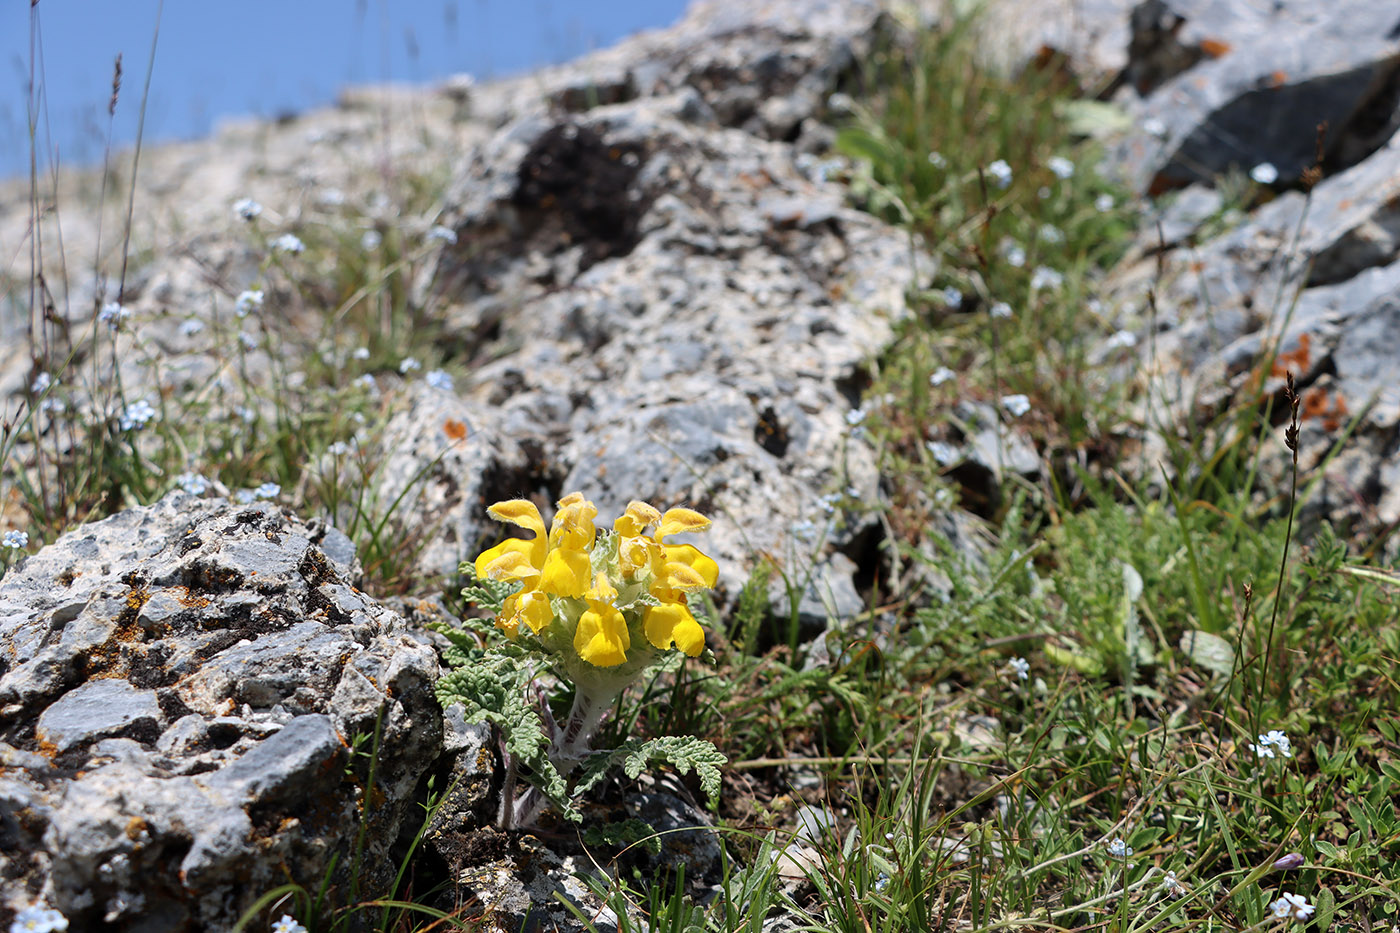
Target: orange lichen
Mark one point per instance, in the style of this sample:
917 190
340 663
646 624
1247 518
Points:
1215 48
1319 404
1278 79
1297 359
455 430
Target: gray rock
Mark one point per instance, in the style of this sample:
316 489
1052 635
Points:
180 684
95 710
1235 85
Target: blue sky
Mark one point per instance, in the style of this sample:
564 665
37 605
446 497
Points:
216 58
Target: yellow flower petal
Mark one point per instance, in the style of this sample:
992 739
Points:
536 611
671 623
601 638
691 557
573 524
678 521
566 573
509 560
638 517
520 512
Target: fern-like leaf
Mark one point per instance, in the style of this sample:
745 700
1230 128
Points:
682 751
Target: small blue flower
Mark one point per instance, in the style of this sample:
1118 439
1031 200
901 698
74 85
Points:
439 379
1022 669
113 313
248 302
192 483
246 209
1118 848
1015 405
360 353
1104 203
1000 173
952 298
445 234
1062 167
137 415
1264 173
1000 309
15 540
287 925
267 491
944 452
42 382
288 243
408 365
1046 278
940 375
191 326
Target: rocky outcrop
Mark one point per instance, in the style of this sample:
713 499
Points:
1301 276
189 695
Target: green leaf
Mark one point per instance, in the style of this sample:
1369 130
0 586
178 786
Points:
487 593
493 691
1094 119
682 751
1209 651
1326 906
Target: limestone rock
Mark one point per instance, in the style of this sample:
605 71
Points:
179 686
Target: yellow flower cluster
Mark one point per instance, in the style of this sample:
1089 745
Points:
601 587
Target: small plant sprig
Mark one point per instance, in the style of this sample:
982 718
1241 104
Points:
593 609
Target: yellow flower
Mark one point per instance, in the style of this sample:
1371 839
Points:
675 570
552 565
601 638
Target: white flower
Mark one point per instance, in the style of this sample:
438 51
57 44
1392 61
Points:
287 925
367 382
1014 254
248 301
1052 234
1271 741
1104 203
41 384
439 379
1264 173
371 241
1173 887
246 209
331 197
944 452
827 503
940 375
113 313
1123 339
1062 167
1118 848
15 540
246 414
192 483
952 298
445 234
1044 193
1292 906
409 364
1000 309
137 415
244 496
361 353
1000 173
855 416
1044 277
936 160
1020 667
339 449
1153 126
249 341
267 491
191 326
38 919
288 243
1015 405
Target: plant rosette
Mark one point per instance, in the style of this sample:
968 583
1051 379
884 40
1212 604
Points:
598 607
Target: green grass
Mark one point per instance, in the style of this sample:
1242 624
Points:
1165 620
